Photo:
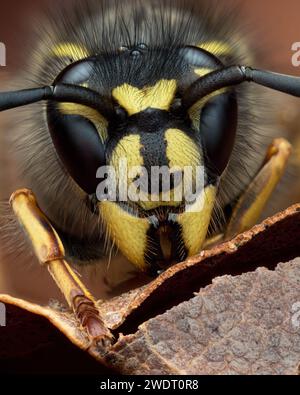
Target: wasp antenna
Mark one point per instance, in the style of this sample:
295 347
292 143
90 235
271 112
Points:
279 82
59 93
81 95
235 75
20 98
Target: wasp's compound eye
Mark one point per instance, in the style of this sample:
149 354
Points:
77 73
78 145
198 58
218 125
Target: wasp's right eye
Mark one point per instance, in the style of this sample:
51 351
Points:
218 126
77 73
79 147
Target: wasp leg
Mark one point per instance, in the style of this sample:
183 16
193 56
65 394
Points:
50 252
252 202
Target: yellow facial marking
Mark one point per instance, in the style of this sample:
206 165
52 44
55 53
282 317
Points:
129 232
129 148
151 205
181 150
127 162
135 100
195 221
218 48
202 71
70 50
94 116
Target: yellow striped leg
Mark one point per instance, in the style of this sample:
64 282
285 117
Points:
50 252
252 202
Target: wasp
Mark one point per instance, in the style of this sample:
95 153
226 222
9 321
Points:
157 83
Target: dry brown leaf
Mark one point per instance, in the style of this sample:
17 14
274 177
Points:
239 324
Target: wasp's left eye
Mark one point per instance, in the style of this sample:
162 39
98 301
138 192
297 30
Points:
79 147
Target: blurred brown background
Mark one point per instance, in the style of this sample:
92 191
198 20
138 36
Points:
274 23
273 26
